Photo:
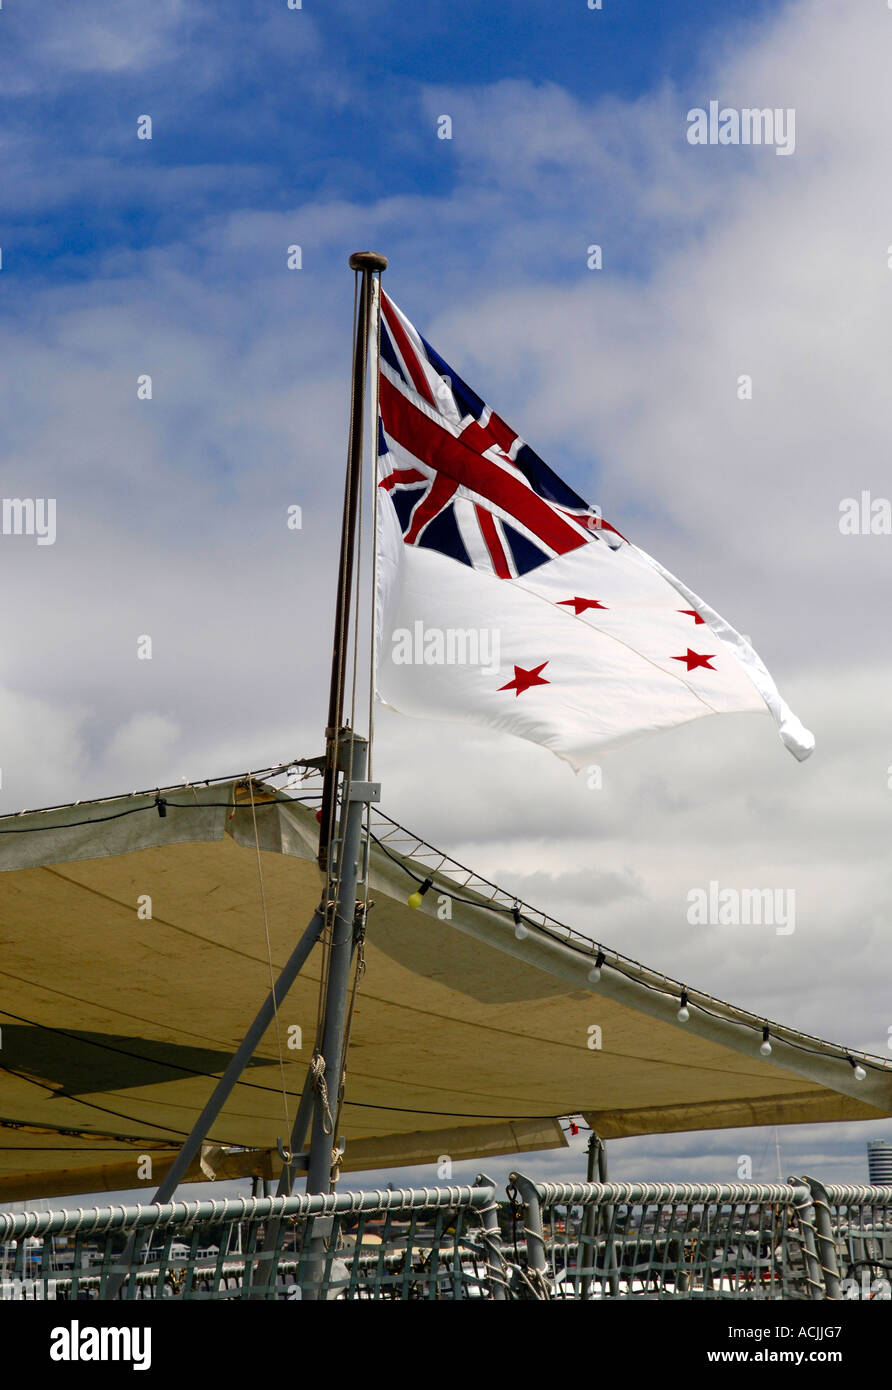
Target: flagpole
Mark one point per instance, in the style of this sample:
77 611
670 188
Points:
348 751
366 264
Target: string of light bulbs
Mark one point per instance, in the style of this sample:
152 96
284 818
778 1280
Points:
522 929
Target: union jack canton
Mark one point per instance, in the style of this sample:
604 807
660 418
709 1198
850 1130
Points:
462 481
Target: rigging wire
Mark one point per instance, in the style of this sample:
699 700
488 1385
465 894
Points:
274 770
373 436
333 879
778 1031
269 957
151 806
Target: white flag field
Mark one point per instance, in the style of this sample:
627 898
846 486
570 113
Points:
505 600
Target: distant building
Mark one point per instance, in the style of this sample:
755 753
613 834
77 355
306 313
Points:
879 1162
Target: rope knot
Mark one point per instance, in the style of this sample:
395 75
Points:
317 1074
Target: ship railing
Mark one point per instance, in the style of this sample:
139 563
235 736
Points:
586 1241
405 1243
857 1222
670 1240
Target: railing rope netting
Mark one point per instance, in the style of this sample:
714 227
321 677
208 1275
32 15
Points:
795 1240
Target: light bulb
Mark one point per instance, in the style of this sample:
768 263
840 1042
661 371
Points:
765 1049
414 899
860 1074
684 1014
594 974
521 932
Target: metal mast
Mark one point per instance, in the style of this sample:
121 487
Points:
340 858
367 264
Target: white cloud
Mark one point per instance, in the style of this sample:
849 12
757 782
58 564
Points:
92 37
43 746
149 737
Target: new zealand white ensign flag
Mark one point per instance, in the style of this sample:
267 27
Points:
505 600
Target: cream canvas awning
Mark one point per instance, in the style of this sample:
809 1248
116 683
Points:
466 1040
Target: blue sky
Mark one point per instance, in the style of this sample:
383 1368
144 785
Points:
318 127
268 106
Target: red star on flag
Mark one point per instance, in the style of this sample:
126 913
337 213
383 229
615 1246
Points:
694 659
691 612
581 604
524 679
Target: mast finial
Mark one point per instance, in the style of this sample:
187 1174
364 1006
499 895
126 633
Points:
368 260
